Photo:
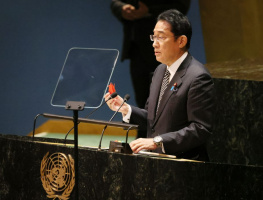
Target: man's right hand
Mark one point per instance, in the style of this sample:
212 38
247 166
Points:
115 103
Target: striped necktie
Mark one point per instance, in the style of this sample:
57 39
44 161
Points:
164 86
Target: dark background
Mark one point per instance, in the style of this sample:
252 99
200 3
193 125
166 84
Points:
35 36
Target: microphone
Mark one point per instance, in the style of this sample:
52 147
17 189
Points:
125 99
112 96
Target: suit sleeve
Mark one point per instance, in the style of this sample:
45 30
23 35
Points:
200 103
139 117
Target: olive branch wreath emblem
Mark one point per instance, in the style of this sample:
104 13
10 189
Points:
58 175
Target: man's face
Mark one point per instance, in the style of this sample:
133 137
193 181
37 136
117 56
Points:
167 49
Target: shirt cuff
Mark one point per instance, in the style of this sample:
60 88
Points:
163 148
127 117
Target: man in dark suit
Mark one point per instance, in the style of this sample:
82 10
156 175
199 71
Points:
138 19
179 111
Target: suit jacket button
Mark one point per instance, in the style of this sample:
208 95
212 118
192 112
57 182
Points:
153 130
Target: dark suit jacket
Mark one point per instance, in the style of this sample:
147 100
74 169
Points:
138 32
184 118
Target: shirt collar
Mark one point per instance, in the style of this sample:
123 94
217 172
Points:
173 68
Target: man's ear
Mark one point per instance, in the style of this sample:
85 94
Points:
182 41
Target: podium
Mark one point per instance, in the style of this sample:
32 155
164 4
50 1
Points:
104 175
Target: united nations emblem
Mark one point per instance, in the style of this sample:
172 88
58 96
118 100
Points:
58 175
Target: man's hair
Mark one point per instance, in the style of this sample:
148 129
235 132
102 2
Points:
179 23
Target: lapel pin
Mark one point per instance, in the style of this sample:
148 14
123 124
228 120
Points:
173 87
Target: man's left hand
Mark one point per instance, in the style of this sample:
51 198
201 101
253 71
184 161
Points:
142 144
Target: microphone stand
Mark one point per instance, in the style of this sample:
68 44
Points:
99 148
126 141
126 98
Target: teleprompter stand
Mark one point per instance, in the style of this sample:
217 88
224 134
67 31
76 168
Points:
76 106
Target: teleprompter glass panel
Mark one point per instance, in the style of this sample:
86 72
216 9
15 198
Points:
85 76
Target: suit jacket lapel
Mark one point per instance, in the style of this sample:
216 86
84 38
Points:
176 79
